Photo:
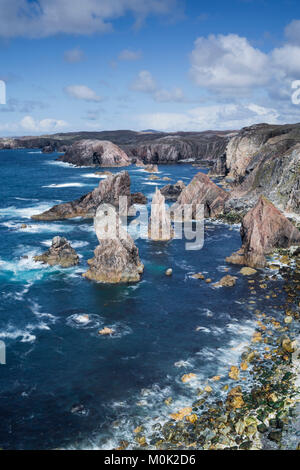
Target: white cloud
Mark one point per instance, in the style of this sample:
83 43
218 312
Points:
144 82
164 96
21 18
292 32
74 55
82 92
28 123
287 59
127 54
226 62
227 116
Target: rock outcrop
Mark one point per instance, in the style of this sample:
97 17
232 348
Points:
171 192
201 190
160 228
60 253
95 153
116 258
108 191
263 229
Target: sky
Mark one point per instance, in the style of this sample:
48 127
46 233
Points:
190 65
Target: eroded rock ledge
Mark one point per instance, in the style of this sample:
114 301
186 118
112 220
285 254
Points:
95 153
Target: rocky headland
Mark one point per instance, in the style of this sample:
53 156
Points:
95 153
108 191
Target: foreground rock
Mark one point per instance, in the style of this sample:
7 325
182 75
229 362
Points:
202 190
95 153
108 191
160 224
263 229
60 253
171 192
116 258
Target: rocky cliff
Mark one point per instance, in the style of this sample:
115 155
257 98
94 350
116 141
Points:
95 153
265 159
263 229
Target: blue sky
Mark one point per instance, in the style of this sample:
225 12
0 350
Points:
133 64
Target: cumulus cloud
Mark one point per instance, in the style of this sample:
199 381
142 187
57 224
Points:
74 55
82 92
146 83
287 59
30 125
42 18
226 116
130 55
228 62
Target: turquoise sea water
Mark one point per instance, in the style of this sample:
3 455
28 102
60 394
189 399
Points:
64 385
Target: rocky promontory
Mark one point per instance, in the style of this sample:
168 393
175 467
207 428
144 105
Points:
60 253
108 191
264 228
95 153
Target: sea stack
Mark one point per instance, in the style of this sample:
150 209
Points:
263 229
201 191
116 258
60 253
160 224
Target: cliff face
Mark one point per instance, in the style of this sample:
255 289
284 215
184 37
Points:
95 153
263 229
108 192
265 159
148 147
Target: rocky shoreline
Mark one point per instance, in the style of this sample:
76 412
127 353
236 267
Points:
257 403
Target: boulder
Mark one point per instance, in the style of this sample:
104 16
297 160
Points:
263 229
60 253
108 191
202 191
116 258
172 191
92 152
226 281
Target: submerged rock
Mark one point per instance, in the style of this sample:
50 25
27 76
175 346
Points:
117 258
60 253
201 191
95 153
263 229
108 191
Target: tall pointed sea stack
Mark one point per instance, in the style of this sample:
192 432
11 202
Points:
160 224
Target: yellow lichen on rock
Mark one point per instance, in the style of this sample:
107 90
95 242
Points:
181 413
187 377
